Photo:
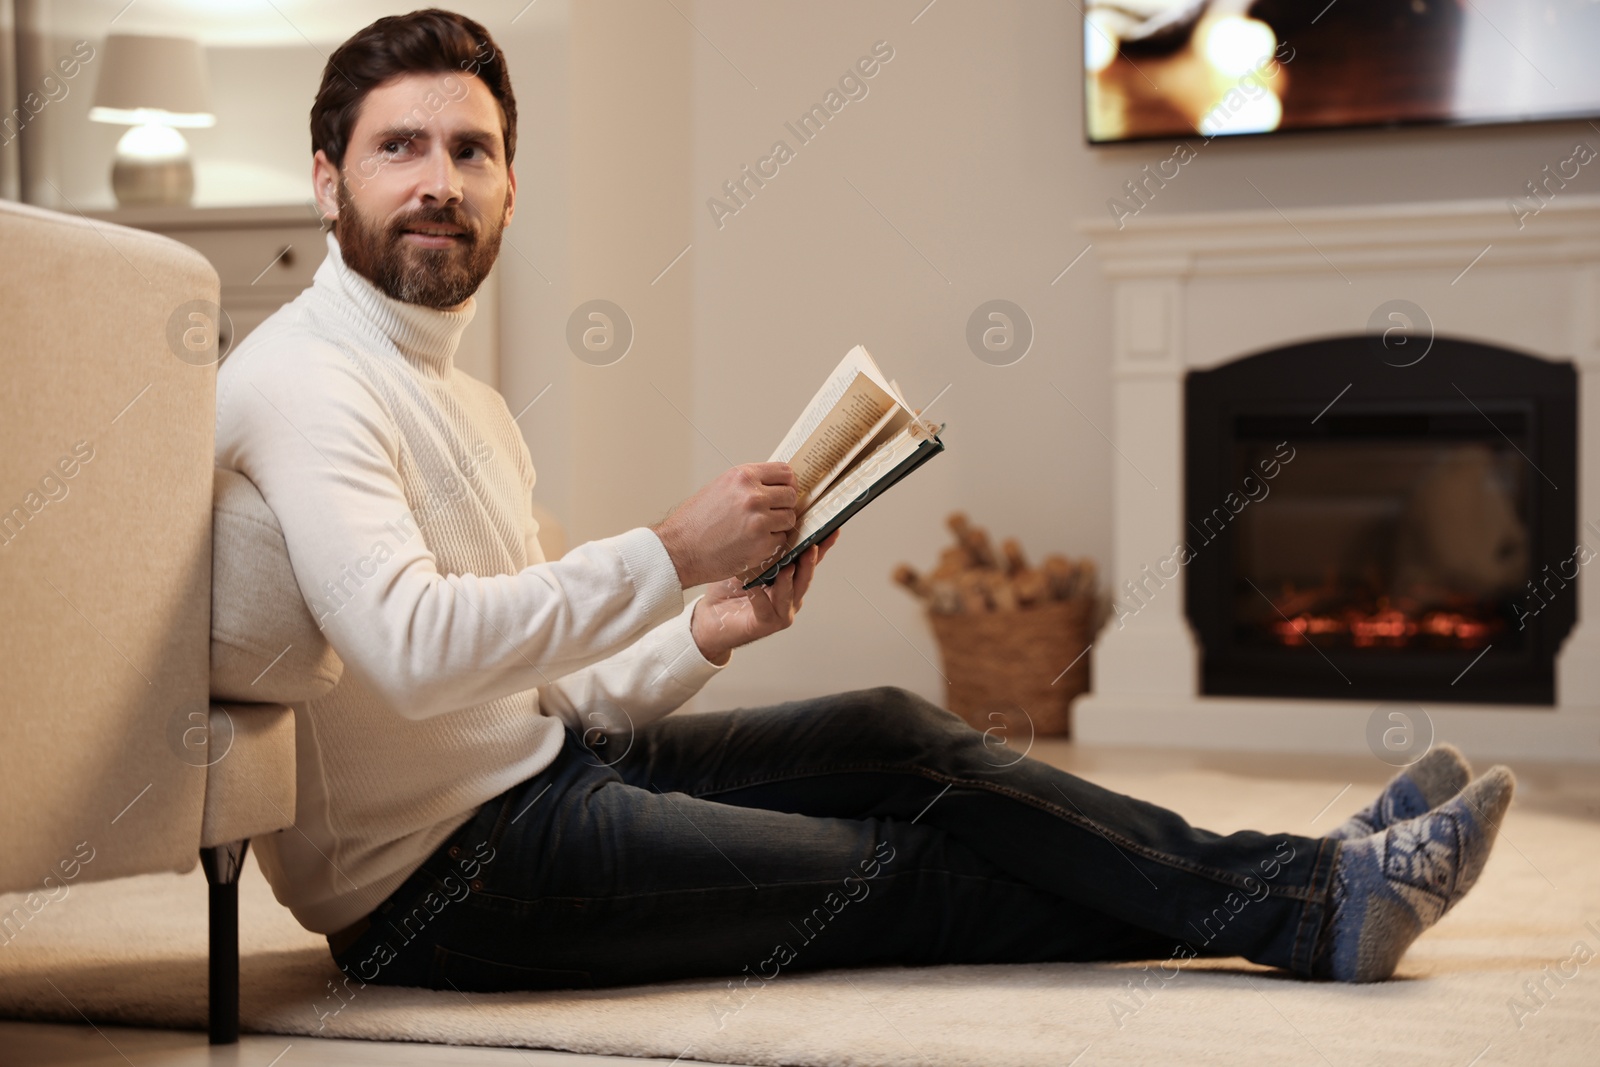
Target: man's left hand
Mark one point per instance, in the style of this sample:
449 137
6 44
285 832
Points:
730 615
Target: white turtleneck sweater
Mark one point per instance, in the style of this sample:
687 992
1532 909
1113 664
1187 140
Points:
402 486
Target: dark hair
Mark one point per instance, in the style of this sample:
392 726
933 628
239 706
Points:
421 42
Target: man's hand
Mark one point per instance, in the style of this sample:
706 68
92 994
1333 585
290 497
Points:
733 524
729 615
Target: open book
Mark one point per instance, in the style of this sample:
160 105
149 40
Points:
856 438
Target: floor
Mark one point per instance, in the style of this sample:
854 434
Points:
40 1045
1569 789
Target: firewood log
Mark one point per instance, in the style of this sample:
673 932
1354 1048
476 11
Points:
977 545
1002 594
907 576
975 539
1033 587
973 597
1016 562
943 596
952 562
1060 573
1088 578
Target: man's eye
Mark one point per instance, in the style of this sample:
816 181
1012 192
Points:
472 152
393 146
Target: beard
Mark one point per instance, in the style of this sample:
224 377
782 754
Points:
433 277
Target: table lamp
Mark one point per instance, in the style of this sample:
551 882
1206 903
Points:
153 85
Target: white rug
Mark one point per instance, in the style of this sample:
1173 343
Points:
133 952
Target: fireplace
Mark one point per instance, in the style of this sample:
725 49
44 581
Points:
1360 529
1387 562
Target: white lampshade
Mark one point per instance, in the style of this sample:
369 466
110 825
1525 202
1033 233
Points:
152 80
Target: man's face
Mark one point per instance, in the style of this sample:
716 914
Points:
425 189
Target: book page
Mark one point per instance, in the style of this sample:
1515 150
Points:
896 420
817 408
839 420
874 465
870 368
897 417
868 439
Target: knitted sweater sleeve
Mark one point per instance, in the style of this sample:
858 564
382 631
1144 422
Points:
319 444
645 681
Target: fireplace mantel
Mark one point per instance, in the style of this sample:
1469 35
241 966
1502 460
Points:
1193 291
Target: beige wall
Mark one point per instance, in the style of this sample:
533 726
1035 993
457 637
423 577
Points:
630 167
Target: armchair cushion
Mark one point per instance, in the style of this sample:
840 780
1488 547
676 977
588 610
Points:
265 645
250 787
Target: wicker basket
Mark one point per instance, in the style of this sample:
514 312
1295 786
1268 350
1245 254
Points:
1004 668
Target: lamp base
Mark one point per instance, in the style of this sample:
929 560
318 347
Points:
153 183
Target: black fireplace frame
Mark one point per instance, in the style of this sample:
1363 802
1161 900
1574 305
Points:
1300 383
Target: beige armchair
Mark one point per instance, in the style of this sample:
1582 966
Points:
143 682
154 633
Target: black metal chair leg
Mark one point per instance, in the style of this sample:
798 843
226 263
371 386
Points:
222 865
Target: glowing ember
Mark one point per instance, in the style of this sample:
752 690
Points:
1382 625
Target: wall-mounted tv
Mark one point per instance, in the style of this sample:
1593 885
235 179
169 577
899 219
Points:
1173 68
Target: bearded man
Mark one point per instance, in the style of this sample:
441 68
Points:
494 796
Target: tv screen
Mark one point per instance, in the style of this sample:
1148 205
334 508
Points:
1173 68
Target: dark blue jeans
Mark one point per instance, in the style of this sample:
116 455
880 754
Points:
862 828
